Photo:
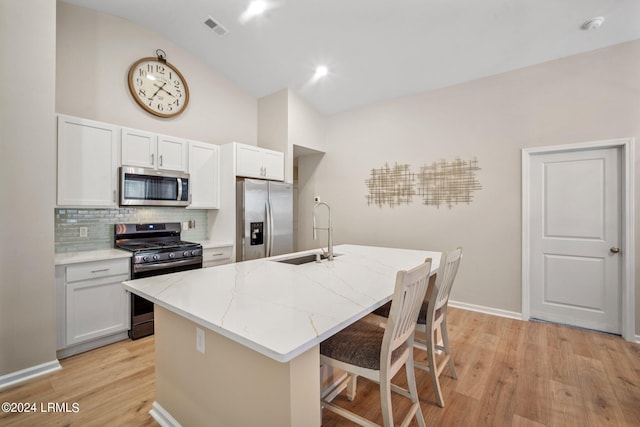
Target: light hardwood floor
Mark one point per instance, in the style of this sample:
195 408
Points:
510 373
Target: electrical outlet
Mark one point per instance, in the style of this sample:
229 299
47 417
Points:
84 231
200 340
185 226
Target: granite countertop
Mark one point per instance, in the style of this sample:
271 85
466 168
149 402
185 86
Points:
66 258
282 310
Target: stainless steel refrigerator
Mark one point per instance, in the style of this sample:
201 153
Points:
264 219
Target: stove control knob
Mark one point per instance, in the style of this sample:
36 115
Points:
146 258
186 253
194 253
156 257
172 255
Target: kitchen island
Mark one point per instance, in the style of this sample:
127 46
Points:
238 344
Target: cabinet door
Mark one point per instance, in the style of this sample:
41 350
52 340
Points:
216 256
139 148
87 162
172 153
273 165
249 161
96 308
204 169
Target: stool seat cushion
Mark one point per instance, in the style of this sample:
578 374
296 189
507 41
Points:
358 344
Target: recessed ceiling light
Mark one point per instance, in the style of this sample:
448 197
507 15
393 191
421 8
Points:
593 24
321 71
256 7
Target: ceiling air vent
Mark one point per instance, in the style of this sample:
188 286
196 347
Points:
217 28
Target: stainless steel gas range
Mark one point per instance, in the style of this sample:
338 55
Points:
157 249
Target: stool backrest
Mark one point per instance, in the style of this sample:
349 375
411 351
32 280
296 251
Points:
449 263
411 287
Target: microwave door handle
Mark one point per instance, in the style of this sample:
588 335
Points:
179 189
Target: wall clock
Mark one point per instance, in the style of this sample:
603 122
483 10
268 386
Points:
158 87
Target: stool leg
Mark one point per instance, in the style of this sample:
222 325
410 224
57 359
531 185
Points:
413 391
385 400
351 387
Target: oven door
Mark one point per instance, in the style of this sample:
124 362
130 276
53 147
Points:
149 187
142 323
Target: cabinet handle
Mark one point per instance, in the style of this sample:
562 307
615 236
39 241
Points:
114 196
101 270
160 159
218 254
152 159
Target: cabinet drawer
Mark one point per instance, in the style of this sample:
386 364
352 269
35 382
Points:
215 256
93 270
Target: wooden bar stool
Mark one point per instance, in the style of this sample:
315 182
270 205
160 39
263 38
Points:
433 317
376 353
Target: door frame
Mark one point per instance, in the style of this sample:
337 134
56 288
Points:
627 294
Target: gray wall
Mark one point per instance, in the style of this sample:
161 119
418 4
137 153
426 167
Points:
27 183
589 97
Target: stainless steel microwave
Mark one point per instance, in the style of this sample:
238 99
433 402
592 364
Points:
150 187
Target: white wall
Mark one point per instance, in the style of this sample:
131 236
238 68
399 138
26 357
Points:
27 184
588 97
94 53
273 127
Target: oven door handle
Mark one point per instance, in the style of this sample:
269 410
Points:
139 268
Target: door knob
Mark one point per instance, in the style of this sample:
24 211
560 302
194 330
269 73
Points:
614 250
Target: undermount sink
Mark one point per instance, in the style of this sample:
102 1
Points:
303 259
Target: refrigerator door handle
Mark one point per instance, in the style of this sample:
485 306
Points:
269 245
267 229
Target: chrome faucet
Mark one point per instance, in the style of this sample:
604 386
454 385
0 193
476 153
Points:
329 228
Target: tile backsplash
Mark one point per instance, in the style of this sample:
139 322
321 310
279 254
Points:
100 230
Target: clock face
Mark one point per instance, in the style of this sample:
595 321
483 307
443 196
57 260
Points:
158 87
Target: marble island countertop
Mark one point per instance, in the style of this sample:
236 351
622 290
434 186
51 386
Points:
281 310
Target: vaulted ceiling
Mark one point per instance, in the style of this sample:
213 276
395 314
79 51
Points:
376 49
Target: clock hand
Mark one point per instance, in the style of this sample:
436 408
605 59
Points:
159 89
163 89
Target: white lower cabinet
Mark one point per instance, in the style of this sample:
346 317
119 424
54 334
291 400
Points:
217 255
95 304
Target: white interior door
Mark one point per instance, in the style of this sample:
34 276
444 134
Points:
575 223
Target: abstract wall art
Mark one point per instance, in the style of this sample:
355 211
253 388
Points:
391 186
437 184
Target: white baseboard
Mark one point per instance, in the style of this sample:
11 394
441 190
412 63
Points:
502 313
486 310
162 417
27 374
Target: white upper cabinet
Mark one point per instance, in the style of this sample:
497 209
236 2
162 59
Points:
172 153
138 148
149 150
87 162
204 171
256 162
